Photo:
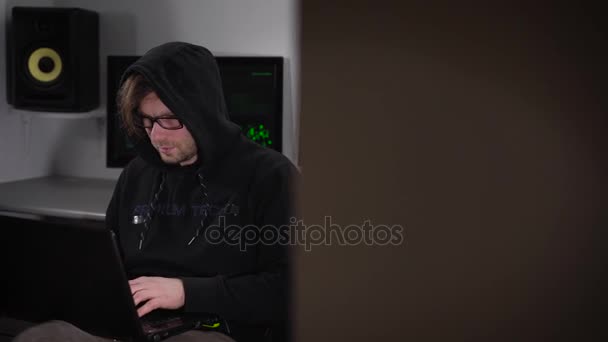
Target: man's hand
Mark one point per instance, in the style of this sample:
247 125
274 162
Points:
157 293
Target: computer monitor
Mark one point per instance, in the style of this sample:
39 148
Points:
253 89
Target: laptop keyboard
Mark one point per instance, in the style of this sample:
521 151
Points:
159 324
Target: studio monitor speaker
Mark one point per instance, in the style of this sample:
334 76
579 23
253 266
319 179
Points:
53 59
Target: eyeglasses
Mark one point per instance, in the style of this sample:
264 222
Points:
166 122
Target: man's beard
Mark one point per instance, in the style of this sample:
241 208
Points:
176 155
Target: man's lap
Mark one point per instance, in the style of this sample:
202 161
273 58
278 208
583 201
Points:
64 331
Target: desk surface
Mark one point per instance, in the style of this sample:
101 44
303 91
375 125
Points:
65 197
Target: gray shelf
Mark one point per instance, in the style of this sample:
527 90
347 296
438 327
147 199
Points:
56 196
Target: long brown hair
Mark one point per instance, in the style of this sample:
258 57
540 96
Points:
130 94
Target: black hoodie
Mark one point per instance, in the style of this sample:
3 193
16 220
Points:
234 183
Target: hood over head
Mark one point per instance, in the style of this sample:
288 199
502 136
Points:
186 79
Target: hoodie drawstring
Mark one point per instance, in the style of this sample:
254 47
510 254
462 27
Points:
150 211
201 181
152 207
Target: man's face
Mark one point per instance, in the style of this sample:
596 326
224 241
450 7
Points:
174 146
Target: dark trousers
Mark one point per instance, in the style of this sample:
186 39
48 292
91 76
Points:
56 331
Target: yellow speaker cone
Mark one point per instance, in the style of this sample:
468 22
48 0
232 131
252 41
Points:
50 60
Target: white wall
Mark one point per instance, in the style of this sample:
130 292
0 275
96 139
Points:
226 27
15 161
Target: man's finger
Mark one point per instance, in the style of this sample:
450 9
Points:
150 305
134 281
143 296
137 287
141 283
138 280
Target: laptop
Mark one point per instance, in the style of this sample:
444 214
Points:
73 272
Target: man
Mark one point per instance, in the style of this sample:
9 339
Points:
195 175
